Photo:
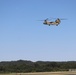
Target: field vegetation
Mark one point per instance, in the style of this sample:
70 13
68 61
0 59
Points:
43 73
24 66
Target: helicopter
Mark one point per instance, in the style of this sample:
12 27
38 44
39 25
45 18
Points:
56 22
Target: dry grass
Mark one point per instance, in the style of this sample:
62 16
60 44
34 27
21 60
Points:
43 73
52 73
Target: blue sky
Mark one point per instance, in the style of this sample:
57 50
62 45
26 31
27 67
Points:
23 37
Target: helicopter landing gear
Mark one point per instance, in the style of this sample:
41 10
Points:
56 25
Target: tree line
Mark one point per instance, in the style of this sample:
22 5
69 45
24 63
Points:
38 66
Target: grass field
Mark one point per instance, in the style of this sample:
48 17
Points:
43 73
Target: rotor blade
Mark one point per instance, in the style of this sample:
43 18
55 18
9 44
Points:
59 18
52 18
63 19
46 19
43 20
40 20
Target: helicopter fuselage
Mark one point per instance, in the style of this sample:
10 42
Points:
46 22
52 23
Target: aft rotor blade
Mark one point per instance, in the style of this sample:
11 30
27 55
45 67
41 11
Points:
63 19
59 18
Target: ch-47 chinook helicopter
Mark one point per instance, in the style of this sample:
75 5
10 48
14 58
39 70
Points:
56 22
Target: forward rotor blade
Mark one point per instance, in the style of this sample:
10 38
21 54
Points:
40 20
43 20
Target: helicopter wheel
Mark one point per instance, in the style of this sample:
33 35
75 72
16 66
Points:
56 25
